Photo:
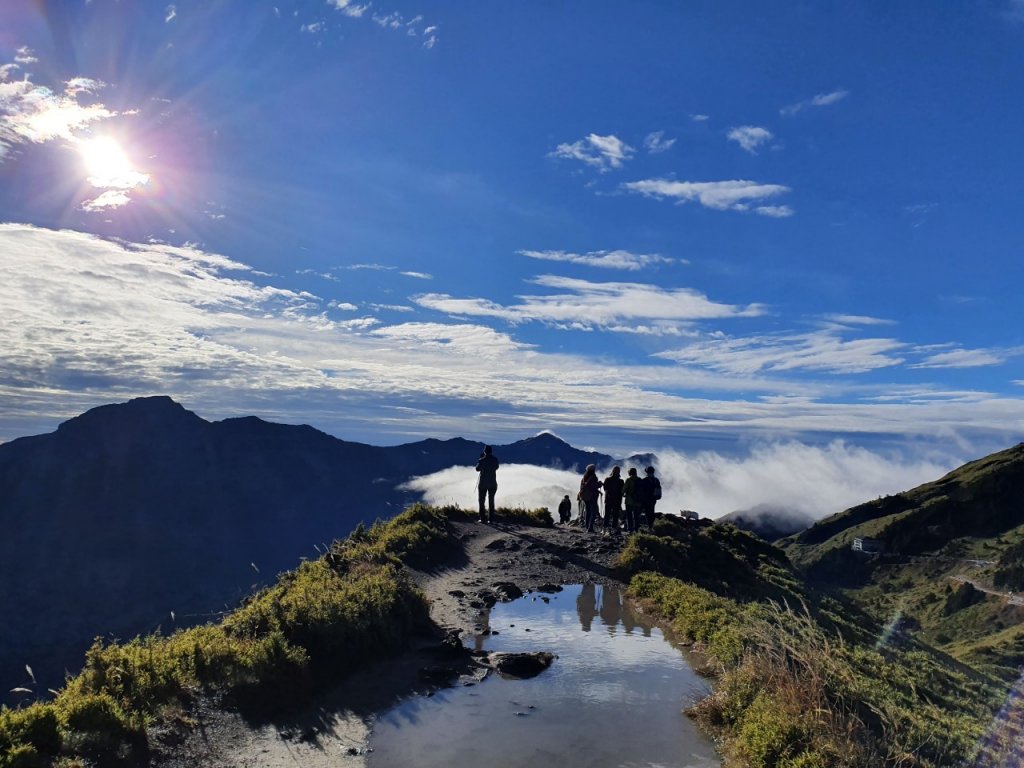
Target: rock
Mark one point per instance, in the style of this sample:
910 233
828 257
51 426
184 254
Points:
509 545
437 673
456 593
549 588
507 591
521 666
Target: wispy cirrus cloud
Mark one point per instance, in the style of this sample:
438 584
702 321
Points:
958 357
411 27
616 259
733 195
170 14
586 305
819 100
601 152
90 321
750 137
825 351
418 275
656 143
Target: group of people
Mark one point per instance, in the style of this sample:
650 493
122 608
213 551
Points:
628 502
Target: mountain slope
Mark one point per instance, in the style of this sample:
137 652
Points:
130 512
953 549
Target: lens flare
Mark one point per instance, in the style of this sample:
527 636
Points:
108 166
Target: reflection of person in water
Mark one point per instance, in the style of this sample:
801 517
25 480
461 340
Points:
611 608
586 605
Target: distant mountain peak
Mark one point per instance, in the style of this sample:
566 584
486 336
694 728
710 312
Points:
157 411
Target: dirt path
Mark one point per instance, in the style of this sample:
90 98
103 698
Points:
1010 598
491 563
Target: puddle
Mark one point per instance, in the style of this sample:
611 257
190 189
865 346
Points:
613 697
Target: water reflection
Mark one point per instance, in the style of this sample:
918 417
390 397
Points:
612 698
614 610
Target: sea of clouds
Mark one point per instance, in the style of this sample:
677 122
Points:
813 480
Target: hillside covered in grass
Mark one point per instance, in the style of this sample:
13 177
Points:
952 555
806 677
319 622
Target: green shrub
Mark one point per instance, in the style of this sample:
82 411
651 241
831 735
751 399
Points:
93 713
23 756
35 726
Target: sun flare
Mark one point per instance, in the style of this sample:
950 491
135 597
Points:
108 166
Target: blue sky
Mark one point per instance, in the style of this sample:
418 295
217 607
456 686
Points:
703 224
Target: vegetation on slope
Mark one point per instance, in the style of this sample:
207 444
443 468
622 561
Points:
317 623
805 679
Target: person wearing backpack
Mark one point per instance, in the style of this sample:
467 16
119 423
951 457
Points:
650 493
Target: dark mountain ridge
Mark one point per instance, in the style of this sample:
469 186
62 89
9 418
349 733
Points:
131 511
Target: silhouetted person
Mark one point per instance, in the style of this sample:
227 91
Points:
631 494
650 493
590 489
613 488
565 510
487 466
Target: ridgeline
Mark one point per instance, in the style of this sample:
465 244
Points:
804 677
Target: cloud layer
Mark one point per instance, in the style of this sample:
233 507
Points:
813 480
91 321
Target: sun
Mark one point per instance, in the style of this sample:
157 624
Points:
107 165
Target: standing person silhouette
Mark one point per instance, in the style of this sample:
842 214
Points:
487 485
650 493
590 489
613 488
631 492
564 510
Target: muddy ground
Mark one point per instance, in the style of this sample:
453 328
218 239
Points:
491 563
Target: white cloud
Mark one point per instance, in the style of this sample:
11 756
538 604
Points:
700 118
774 211
750 137
734 195
656 142
393 20
418 275
314 28
816 481
343 306
112 198
31 113
820 350
617 259
601 152
391 308
965 358
819 100
842 319
588 305
520 486
25 55
350 9
813 480
91 321
170 14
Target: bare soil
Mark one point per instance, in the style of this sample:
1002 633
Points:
490 563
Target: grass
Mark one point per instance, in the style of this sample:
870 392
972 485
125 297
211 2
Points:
805 679
316 624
